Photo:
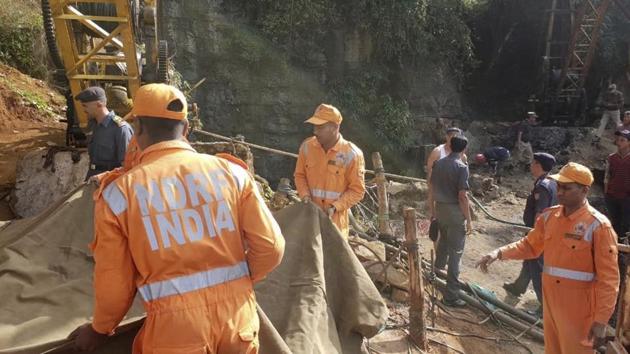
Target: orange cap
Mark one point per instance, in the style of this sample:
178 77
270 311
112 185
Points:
152 100
574 173
325 113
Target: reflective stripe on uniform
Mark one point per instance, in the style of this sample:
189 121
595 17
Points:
239 174
588 235
568 273
115 199
197 281
546 214
323 194
305 148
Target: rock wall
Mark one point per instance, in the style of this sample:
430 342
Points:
251 89
37 187
254 90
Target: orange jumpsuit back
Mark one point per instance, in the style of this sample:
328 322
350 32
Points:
190 233
580 277
332 178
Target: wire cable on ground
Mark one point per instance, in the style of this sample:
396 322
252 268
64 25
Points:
494 218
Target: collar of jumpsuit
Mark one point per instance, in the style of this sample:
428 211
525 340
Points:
580 213
145 155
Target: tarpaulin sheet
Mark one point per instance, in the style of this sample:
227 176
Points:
319 300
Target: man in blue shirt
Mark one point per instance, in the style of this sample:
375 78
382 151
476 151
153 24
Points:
110 133
543 195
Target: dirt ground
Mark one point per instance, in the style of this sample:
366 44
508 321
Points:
29 118
487 236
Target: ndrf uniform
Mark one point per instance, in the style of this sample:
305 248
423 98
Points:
331 178
191 234
580 275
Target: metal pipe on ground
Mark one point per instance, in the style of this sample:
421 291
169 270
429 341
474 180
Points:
533 331
493 300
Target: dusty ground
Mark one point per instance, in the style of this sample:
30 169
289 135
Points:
29 118
487 236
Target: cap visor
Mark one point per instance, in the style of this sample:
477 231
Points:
561 179
316 121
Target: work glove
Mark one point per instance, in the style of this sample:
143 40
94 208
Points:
598 334
86 338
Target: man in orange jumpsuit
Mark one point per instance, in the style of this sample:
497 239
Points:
580 277
330 170
189 232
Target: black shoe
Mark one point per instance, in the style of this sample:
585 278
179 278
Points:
536 313
454 303
512 289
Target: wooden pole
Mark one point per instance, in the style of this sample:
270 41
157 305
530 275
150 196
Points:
383 203
417 326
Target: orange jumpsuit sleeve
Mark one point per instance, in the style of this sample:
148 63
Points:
530 246
300 173
355 175
607 272
114 271
264 240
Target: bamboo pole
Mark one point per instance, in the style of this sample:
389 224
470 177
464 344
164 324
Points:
417 326
383 202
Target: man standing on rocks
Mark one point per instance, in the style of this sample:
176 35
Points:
448 203
543 196
330 170
110 133
443 150
581 275
522 147
613 104
617 184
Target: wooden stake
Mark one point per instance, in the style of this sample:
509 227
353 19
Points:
417 326
383 203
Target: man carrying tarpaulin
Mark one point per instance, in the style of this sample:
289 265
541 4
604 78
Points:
330 170
580 276
189 232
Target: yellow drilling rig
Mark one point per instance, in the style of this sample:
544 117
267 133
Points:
110 43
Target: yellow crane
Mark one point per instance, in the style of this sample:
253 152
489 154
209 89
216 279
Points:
110 43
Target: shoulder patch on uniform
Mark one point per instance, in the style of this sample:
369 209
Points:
599 216
355 149
119 121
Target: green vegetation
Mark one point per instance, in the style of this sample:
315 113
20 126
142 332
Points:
31 98
21 33
404 38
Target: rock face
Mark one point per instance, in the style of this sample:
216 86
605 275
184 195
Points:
253 89
250 89
37 187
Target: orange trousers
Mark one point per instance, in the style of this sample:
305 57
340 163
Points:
209 321
568 307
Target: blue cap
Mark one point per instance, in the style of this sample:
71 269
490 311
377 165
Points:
547 161
91 94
